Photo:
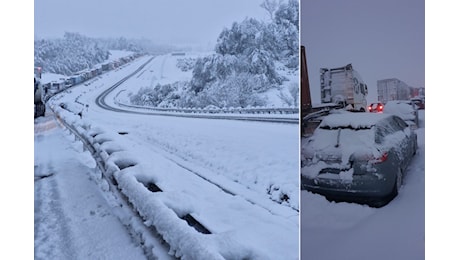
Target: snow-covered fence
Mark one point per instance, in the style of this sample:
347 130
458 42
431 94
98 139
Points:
213 109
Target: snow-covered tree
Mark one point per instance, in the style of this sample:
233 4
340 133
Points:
66 56
245 61
270 6
75 52
292 97
286 31
237 90
241 39
288 11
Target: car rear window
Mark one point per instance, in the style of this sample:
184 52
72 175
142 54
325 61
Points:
351 120
344 137
387 127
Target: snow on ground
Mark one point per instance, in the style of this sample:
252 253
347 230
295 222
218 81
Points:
206 142
273 96
258 162
162 70
72 217
117 54
343 230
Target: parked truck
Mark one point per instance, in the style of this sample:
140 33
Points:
39 105
392 89
343 86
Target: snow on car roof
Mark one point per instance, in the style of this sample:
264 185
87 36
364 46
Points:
401 108
352 119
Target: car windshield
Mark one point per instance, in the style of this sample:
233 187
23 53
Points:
349 131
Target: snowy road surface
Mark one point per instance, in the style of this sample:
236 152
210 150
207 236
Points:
73 218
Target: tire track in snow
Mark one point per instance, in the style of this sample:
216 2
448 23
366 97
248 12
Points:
49 218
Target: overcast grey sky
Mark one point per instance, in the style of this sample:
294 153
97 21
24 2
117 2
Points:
196 22
382 39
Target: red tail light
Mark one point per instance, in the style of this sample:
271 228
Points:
369 158
381 159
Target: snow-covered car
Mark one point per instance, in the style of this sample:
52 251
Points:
419 102
405 109
375 107
358 157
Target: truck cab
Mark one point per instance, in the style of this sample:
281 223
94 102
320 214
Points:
343 86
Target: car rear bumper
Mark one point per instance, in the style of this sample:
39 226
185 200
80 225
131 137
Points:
362 189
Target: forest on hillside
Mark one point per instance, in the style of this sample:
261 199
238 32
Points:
76 52
251 57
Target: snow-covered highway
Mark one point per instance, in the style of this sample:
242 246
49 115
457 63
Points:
238 179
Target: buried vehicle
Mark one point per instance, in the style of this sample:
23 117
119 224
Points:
375 107
358 157
405 109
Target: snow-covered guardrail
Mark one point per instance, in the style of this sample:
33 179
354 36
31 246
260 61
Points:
214 110
118 174
255 110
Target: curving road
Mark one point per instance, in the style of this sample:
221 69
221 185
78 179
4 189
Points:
238 176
